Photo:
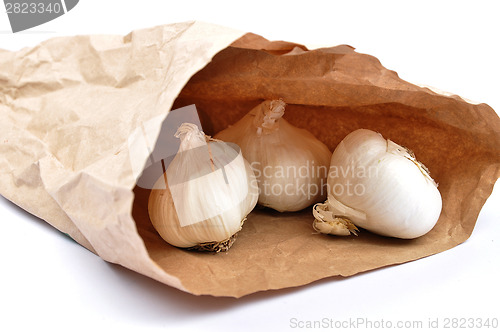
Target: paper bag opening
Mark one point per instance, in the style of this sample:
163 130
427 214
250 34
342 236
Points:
70 105
329 92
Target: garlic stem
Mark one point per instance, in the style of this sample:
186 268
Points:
269 113
190 136
275 112
408 154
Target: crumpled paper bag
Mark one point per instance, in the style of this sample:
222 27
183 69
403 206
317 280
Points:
69 106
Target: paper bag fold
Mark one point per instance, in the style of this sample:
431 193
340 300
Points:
69 105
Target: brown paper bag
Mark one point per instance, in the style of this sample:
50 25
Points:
69 105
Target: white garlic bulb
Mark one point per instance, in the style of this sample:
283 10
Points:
203 198
290 164
378 185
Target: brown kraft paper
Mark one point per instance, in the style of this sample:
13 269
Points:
69 105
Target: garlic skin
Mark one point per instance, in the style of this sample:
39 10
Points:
203 198
290 164
378 185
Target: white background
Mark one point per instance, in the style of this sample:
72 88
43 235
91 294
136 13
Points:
47 281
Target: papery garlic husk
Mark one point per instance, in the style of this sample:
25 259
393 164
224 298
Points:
203 198
378 185
290 164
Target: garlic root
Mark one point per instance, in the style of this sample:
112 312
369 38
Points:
220 246
328 223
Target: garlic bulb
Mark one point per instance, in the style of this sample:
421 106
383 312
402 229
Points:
290 164
203 198
378 185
